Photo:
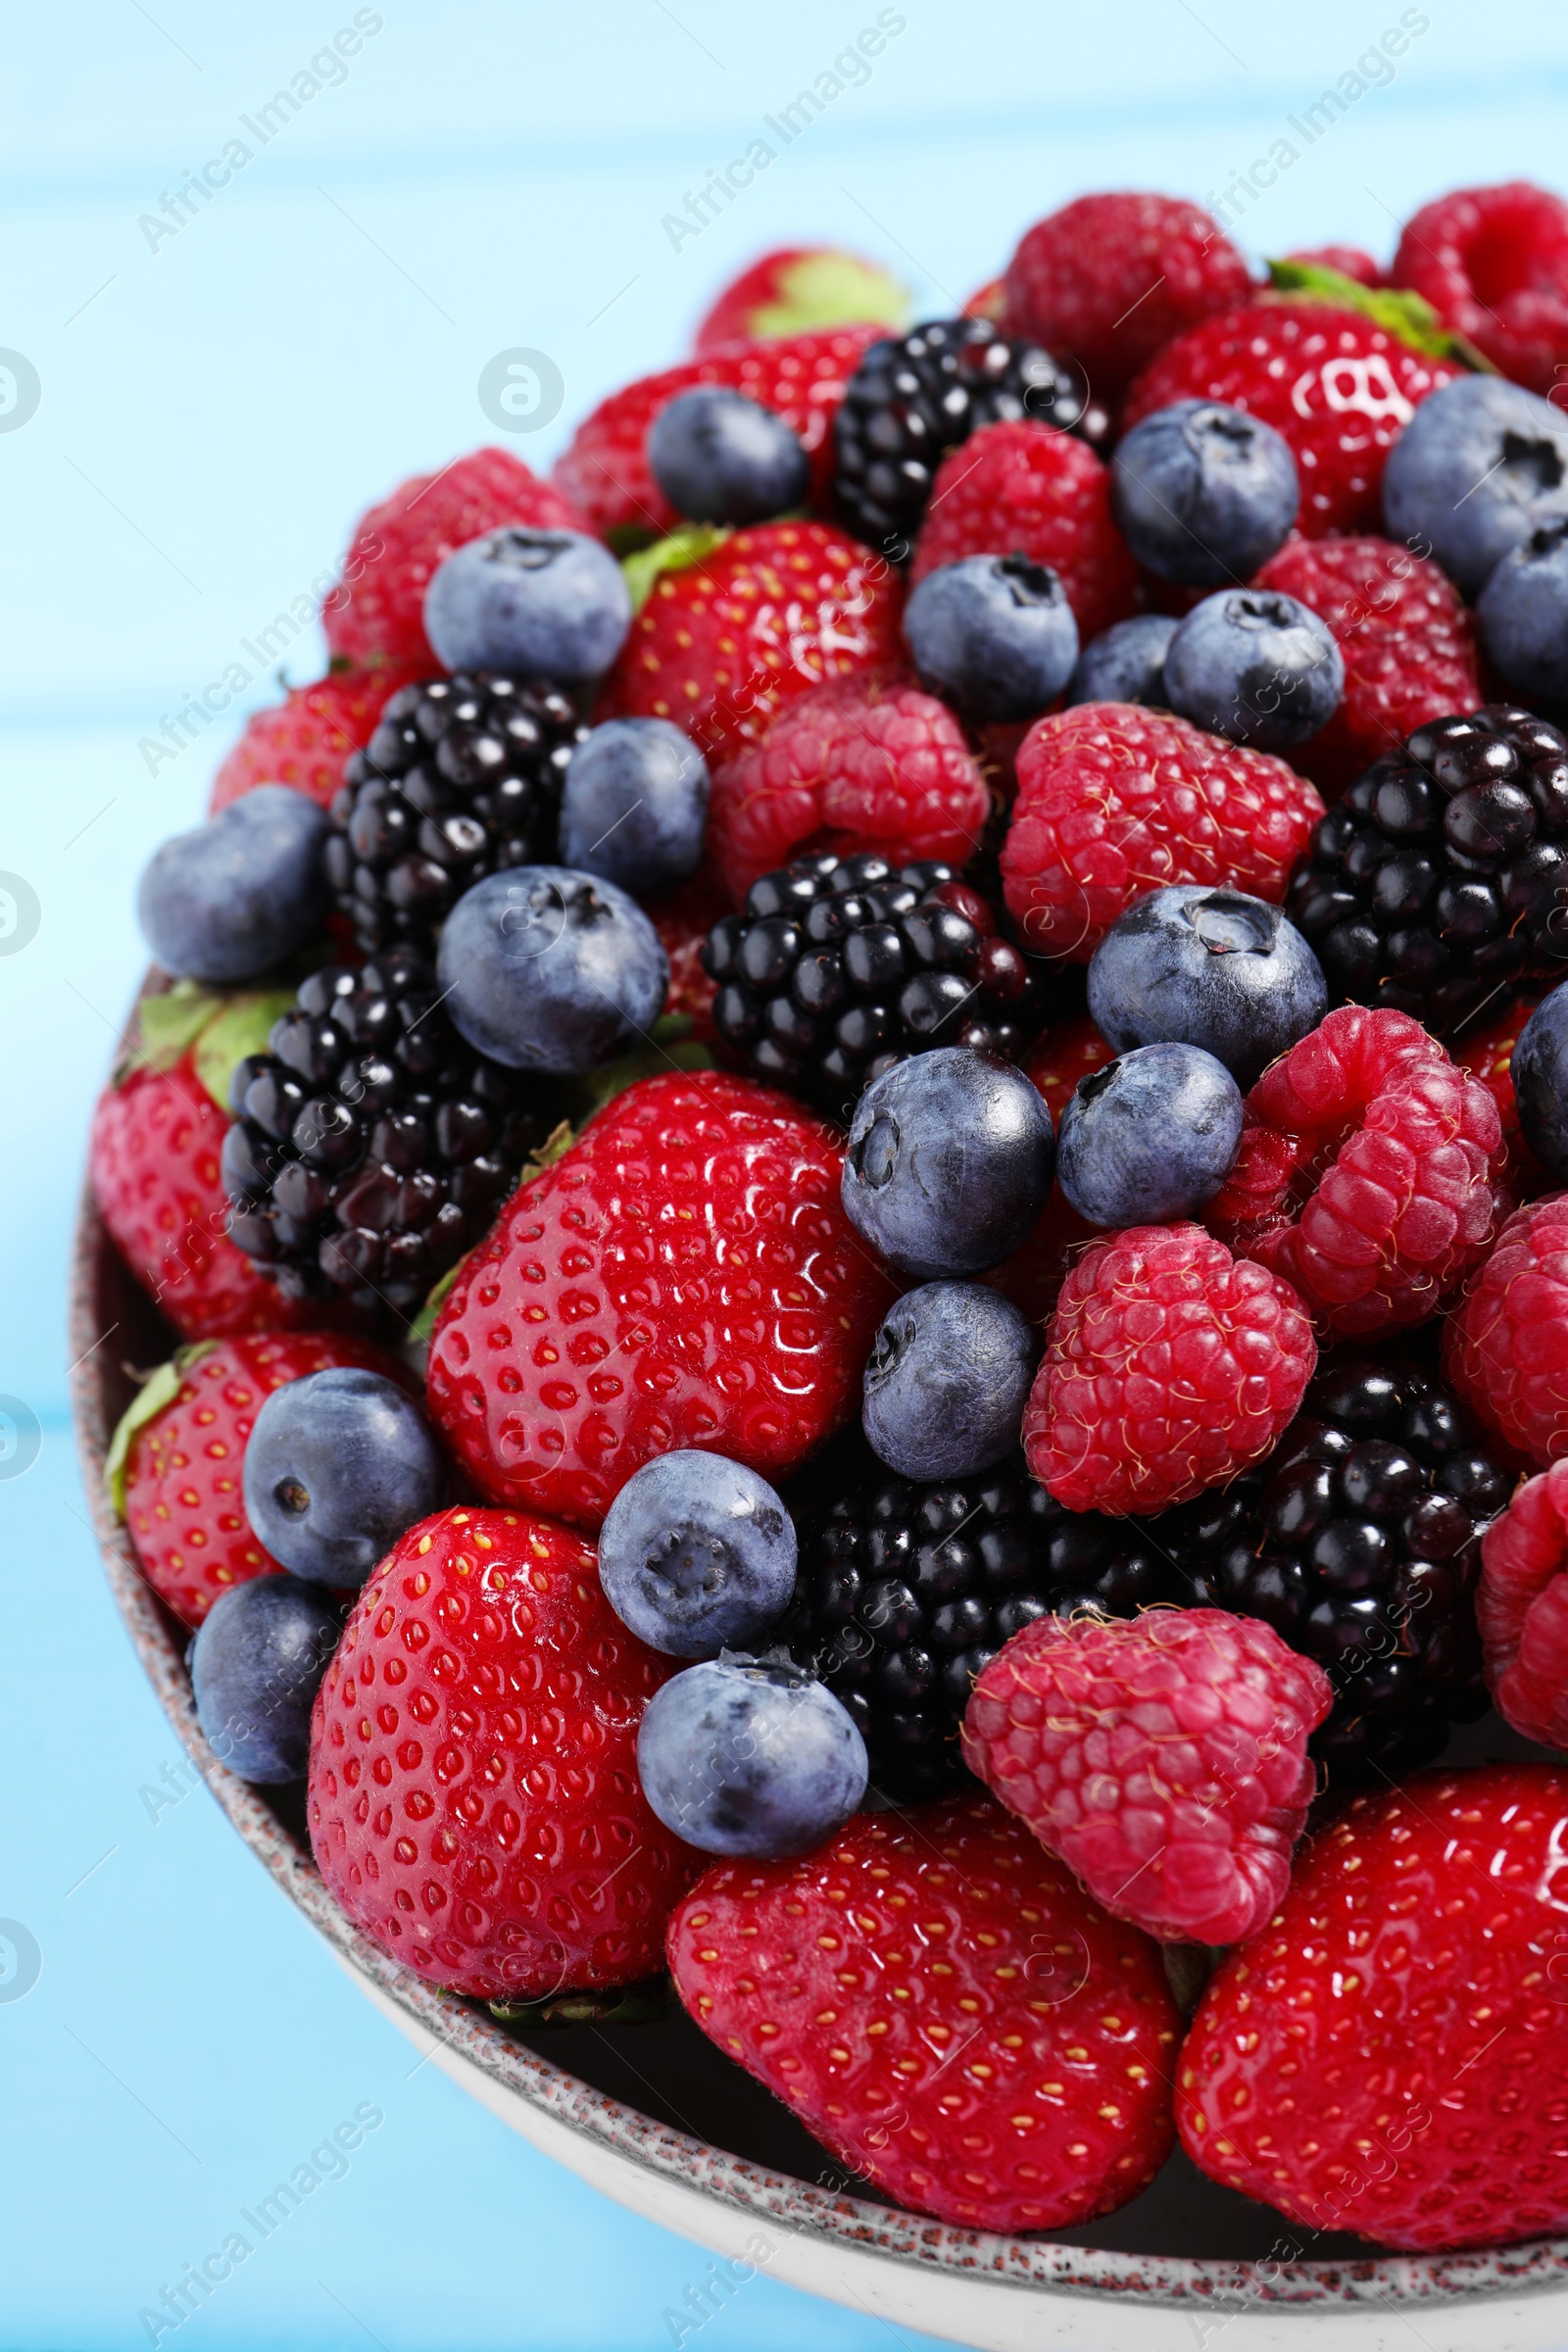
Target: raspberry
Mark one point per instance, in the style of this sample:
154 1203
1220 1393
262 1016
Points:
1109 279
1350 261
1169 1366
1023 489
1339 388
1389 2055
377 613
1493 264
1407 641
683 921
800 290
1522 1609
868 761
1113 801
1164 1759
848 1979
800 377
1488 1054
474 1803
304 740
1365 1175
1505 1348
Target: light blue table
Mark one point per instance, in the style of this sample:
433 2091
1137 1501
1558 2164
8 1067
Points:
216 405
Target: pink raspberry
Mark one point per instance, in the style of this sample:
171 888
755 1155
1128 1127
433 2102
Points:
1022 489
1163 1759
1110 278
1493 264
1506 1348
1169 1366
1522 1609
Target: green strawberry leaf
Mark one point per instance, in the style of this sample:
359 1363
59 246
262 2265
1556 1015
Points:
831 289
676 553
240 1025
166 1028
620 2006
153 1395
556 1145
222 1028
1410 316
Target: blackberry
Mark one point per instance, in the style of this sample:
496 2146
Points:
838 967
372 1147
461 775
1440 883
906 1592
914 397
1359 1541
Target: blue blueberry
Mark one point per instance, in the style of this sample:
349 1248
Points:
696 1554
1255 665
240 894
634 806
1540 1072
529 604
338 1465
1126 662
1150 1136
721 458
1523 613
750 1756
949 1162
1203 494
994 634
1481 466
256 1665
948 1380
1192 966
547 969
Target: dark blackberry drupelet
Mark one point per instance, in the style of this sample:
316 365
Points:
1440 883
1359 1541
372 1147
905 1592
916 396
463 776
838 967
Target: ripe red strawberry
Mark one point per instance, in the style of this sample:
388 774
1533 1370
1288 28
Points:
803 378
474 1803
684 1276
1340 389
1389 2055
1407 642
1169 1366
1365 1174
1108 280
1522 1609
800 290
1493 264
724 641
304 740
1022 489
868 761
377 613
176 1466
1115 802
1505 1347
989 301
1163 1758
1033 1276
945 2010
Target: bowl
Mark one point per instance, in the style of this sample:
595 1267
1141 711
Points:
657 2118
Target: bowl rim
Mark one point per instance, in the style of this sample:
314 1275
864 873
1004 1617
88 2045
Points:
732 2183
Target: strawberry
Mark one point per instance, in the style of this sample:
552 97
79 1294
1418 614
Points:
473 1795
1390 2056
304 740
800 290
685 1275
945 2010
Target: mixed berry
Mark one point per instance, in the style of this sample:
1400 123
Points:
849 1149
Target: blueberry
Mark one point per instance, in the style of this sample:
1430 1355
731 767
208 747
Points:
994 634
1196 966
241 893
1126 662
337 1466
1256 666
1481 466
948 1380
634 806
1523 613
1203 494
1539 1073
696 1554
1150 1136
255 1668
750 1756
721 458
547 969
529 604
949 1162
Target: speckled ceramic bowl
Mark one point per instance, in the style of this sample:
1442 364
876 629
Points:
657 2118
